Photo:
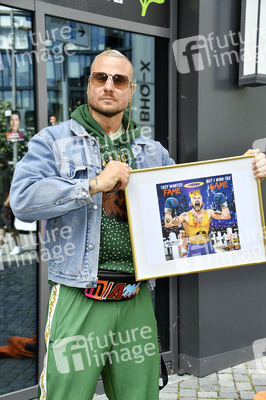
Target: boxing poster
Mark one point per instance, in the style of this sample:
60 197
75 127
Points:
195 217
198 216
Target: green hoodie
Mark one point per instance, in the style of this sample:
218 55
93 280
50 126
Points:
115 246
115 149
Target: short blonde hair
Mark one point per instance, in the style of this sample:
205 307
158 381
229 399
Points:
111 53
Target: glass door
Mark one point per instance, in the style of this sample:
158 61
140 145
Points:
68 69
18 255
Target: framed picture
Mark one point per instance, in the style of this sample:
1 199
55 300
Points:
195 217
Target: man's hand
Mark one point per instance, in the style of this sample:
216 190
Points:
114 173
259 164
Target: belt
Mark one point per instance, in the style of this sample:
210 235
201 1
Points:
200 239
113 286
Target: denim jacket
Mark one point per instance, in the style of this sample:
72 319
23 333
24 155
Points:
51 183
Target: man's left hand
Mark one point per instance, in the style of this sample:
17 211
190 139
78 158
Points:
259 164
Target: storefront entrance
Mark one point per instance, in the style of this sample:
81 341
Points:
44 74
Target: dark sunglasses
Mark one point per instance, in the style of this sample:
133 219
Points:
99 79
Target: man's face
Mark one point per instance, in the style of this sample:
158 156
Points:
108 100
196 202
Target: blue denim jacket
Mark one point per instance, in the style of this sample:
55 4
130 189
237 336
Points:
51 183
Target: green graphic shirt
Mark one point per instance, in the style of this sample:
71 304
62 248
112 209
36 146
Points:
115 247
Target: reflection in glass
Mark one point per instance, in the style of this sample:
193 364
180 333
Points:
68 68
18 272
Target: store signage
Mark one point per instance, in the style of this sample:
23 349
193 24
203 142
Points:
143 99
144 4
150 12
67 31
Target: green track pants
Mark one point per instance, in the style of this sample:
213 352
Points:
87 338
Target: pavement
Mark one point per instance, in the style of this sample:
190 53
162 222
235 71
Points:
239 382
18 311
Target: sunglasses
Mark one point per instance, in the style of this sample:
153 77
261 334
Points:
99 79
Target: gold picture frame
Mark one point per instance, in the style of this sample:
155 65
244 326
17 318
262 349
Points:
223 186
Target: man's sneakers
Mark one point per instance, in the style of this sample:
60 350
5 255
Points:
17 250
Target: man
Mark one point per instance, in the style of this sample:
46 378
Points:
100 321
196 222
71 172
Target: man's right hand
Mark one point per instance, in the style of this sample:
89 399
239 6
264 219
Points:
114 173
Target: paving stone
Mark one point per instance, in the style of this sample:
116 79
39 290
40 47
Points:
224 377
178 378
214 375
243 386
259 382
241 378
260 366
229 383
209 381
189 398
242 367
247 395
170 389
251 364
168 396
208 395
189 383
260 388
227 389
209 388
240 370
259 376
187 392
228 395
225 371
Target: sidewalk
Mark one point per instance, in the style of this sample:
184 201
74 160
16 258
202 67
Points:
240 382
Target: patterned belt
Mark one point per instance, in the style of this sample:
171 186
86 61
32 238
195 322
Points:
113 286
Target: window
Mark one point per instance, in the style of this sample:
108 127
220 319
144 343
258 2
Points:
18 255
